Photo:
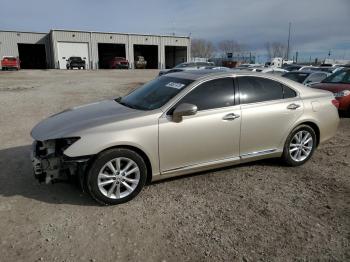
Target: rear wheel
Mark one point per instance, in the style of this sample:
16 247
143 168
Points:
116 176
299 146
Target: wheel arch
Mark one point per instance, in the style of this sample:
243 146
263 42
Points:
132 148
314 126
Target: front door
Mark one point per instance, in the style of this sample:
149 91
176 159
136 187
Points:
211 134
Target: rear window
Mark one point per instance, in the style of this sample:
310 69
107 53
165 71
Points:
10 58
298 77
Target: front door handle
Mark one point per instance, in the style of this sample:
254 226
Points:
230 117
293 106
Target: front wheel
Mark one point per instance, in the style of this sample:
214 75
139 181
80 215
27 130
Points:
299 146
116 176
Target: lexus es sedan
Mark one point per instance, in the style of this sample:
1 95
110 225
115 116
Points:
182 123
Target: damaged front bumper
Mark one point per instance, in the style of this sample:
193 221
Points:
51 165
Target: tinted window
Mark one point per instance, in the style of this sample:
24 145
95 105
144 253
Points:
255 89
212 94
317 77
155 93
342 76
295 76
288 92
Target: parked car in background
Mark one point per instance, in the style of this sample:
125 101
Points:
75 62
291 67
178 124
186 66
273 70
339 84
118 63
306 77
327 69
10 62
140 62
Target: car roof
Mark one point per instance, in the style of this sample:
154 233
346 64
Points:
205 74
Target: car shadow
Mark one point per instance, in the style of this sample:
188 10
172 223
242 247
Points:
16 179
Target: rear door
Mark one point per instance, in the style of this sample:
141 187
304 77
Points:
269 109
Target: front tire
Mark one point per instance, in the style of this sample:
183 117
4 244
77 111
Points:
116 176
300 146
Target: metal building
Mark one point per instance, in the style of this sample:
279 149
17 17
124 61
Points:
51 50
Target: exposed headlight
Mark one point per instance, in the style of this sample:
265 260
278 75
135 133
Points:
342 93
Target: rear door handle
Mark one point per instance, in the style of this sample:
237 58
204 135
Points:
293 106
230 117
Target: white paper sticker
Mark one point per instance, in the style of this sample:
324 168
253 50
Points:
175 85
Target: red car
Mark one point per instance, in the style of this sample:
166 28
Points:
10 62
118 63
339 84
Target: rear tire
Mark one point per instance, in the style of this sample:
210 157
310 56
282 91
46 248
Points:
300 146
116 176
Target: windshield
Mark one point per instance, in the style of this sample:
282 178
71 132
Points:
298 77
155 93
341 76
73 58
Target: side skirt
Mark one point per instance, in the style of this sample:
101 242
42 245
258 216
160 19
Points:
254 156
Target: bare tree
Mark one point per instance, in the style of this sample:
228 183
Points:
202 48
276 49
230 46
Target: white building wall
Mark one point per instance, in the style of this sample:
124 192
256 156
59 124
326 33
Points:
9 41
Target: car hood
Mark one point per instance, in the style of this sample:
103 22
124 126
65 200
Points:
71 121
333 87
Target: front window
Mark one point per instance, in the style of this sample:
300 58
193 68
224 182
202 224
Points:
342 76
73 58
155 93
212 94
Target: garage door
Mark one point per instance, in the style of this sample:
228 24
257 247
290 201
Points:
67 49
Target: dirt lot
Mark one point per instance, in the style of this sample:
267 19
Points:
255 211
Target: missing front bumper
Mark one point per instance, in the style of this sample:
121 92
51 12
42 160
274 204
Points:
50 166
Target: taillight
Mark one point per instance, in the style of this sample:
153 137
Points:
335 102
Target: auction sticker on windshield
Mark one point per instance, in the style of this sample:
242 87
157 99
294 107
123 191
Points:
175 85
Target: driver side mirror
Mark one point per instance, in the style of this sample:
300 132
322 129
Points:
184 109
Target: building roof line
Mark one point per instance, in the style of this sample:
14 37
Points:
19 31
118 33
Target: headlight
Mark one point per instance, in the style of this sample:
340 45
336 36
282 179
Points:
342 93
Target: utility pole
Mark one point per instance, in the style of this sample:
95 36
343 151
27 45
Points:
290 24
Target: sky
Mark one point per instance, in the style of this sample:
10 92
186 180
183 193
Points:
317 25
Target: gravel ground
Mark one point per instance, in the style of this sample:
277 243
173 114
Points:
257 211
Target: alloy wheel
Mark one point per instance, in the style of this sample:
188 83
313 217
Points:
118 178
301 146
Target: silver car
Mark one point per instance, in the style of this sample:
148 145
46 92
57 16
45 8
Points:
178 124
